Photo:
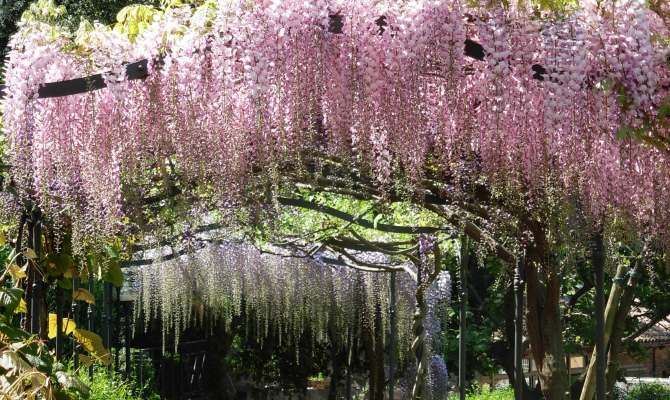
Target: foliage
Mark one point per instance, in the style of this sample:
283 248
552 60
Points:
648 391
28 367
10 13
487 393
103 11
105 385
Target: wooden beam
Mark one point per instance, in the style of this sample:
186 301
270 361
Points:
136 70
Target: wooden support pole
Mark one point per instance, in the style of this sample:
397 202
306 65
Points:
393 336
518 328
59 322
90 312
126 337
117 330
610 315
462 317
75 312
38 292
107 315
140 367
599 273
653 362
18 248
32 277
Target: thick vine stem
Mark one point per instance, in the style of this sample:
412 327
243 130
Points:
419 344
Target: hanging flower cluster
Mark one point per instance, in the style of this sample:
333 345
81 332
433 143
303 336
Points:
248 88
281 295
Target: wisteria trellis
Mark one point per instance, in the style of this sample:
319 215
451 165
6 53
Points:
249 88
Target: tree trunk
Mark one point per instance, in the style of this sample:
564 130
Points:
216 374
419 343
374 349
339 360
543 316
618 331
589 387
380 379
503 351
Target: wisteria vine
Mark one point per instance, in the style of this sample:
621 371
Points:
286 296
238 89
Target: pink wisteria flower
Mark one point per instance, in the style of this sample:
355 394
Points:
255 86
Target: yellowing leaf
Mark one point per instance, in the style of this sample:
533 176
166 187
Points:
3 239
82 294
68 326
53 328
85 360
70 272
30 254
22 307
92 343
17 273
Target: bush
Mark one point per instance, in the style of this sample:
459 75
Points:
648 391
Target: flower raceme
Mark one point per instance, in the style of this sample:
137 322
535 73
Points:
249 87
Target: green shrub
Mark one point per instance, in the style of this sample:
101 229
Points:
486 393
649 391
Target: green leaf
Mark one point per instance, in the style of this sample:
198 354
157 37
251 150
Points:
10 298
16 272
114 274
14 334
22 307
60 264
111 251
64 283
664 111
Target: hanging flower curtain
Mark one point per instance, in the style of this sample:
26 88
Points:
238 90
